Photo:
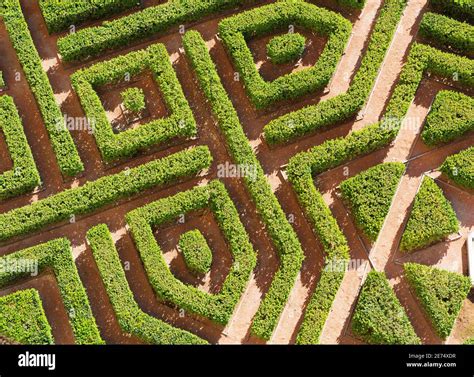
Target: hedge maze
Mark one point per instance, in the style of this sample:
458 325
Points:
168 192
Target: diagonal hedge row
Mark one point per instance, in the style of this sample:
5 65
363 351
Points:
131 318
22 318
141 221
24 176
113 146
140 25
57 255
308 119
460 167
236 30
448 32
451 116
370 194
431 219
283 236
66 153
60 14
379 318
463 9
104 191
196 252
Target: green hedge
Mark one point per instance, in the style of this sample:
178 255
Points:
133 99
24 176
379 318
236 30
460 167
66 153
22 318
286 48
447 32
57 255
104 191
2 81
283 236
141 221
463 9
343 106
440 292
113 146
431 219
469 341
196 252
358 4
60 14
370 194
451 116
131 318
94 41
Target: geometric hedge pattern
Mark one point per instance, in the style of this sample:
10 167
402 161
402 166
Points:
220 213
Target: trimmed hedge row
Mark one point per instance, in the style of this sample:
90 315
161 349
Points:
104 191
57 255
24 176
60 14
379 318
286 48
370 195
463 9
460 167
140 25
236 30
301 170
196 252
448 32
343 106
131 318
141 221
66 153
113 146
431 219
451 116
22 318
282 234
440 292
358 4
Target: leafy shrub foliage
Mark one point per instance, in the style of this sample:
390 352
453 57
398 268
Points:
133 99
2 81
440 292
66 153
450 117
286 48
57 256
463 9
326 113
379 318
129 315
137 26
104 191
22 318
460 168
24 176
448 32
127 143
370 195
60 14
281 232
196 251
236 30
217 307
431 219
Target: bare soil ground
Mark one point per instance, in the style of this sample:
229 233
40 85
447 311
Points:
383 255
